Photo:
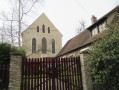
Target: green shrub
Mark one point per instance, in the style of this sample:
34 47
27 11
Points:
4 53
5 49
104 59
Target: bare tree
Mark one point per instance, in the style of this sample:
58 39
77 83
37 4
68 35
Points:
9 25
20 9
2 33
81 26
25 6
23 10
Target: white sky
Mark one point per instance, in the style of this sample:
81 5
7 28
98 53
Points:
65 14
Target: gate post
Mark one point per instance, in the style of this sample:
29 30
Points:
15 71
86 75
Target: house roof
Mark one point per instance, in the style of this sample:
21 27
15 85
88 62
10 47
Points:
103 17
84 38
75 42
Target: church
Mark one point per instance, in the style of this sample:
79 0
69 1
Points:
41 39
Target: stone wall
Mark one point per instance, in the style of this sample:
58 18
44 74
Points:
86 75
15 71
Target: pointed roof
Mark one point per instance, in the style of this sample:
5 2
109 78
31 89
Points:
43 19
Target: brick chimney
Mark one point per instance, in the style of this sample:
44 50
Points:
93 19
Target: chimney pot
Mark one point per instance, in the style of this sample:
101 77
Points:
93 19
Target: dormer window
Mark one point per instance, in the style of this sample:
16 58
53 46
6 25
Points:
102 27
48 29
37 28
99 28
94 31
43 28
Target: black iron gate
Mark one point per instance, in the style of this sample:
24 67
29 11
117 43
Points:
51 74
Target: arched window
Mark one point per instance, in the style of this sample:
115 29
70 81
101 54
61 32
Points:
48 29
53 46
33 45
44 45
43 28
37 28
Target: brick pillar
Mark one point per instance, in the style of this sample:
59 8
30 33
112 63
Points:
15 71
86 75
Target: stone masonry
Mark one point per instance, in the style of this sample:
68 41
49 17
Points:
15 71
86 76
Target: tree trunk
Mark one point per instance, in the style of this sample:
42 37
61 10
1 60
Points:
19 25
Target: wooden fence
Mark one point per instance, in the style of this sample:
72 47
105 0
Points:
51 74
4 76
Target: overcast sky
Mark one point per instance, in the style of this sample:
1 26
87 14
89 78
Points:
66 14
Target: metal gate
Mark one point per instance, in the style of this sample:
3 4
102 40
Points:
51 74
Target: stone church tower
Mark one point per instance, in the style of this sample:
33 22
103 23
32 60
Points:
41 39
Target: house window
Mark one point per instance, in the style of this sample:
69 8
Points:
53 46
37 28
43 28
44 45
94 31
48 29
102 27
33 45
